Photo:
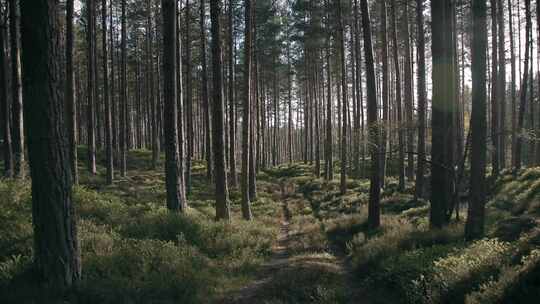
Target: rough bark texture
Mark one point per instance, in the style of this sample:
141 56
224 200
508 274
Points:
397 73
494 91
107 98
17 125
123 94
246 208
218 123
419 187
345 101
475 219
189 100
56 250
206 104
523 92
71 111
173 176
374 216
5 112
91 84
232 102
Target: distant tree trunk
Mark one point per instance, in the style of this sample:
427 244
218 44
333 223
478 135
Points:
173 175
329 158
523 92
409 96
502 85
123 94
232 96
538 51
218 123
401 139
494 91
106 97
4 105
153 97
374 216
71 112
246 208
475 221
419 187
385 92
206 105
513 80
56 249
91 90
17 126
344 89
252 103
189 100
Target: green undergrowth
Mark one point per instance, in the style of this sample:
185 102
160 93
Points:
405 262
135 251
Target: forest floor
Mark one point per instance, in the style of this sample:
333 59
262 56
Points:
307 243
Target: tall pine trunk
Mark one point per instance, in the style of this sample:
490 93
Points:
56 247
421 91
218 114
91 82
174 179
17 124
246 207
374 211
475 220
106 97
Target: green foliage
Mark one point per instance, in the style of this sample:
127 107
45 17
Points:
15 220
142 271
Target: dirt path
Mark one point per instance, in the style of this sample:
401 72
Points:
279 260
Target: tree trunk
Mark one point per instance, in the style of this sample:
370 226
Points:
523 92
494 91
71 112
189 100
106 97
4 106
17 125
123 94
419 187
443 108
409 97
246 208
475 220
218 121
329 158
173 176
206 105
56 249
374 216
401 139
385 92
91 90
502 85
232 96
344 89
513 80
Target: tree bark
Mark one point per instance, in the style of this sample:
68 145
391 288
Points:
401 139
246 207
232 95
91 81
107 98
475 220
419 187
218 121
189 100
374 212
206 104
494 91
56 250
17 125
173 175
4 106
345 101
523 92
123 94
